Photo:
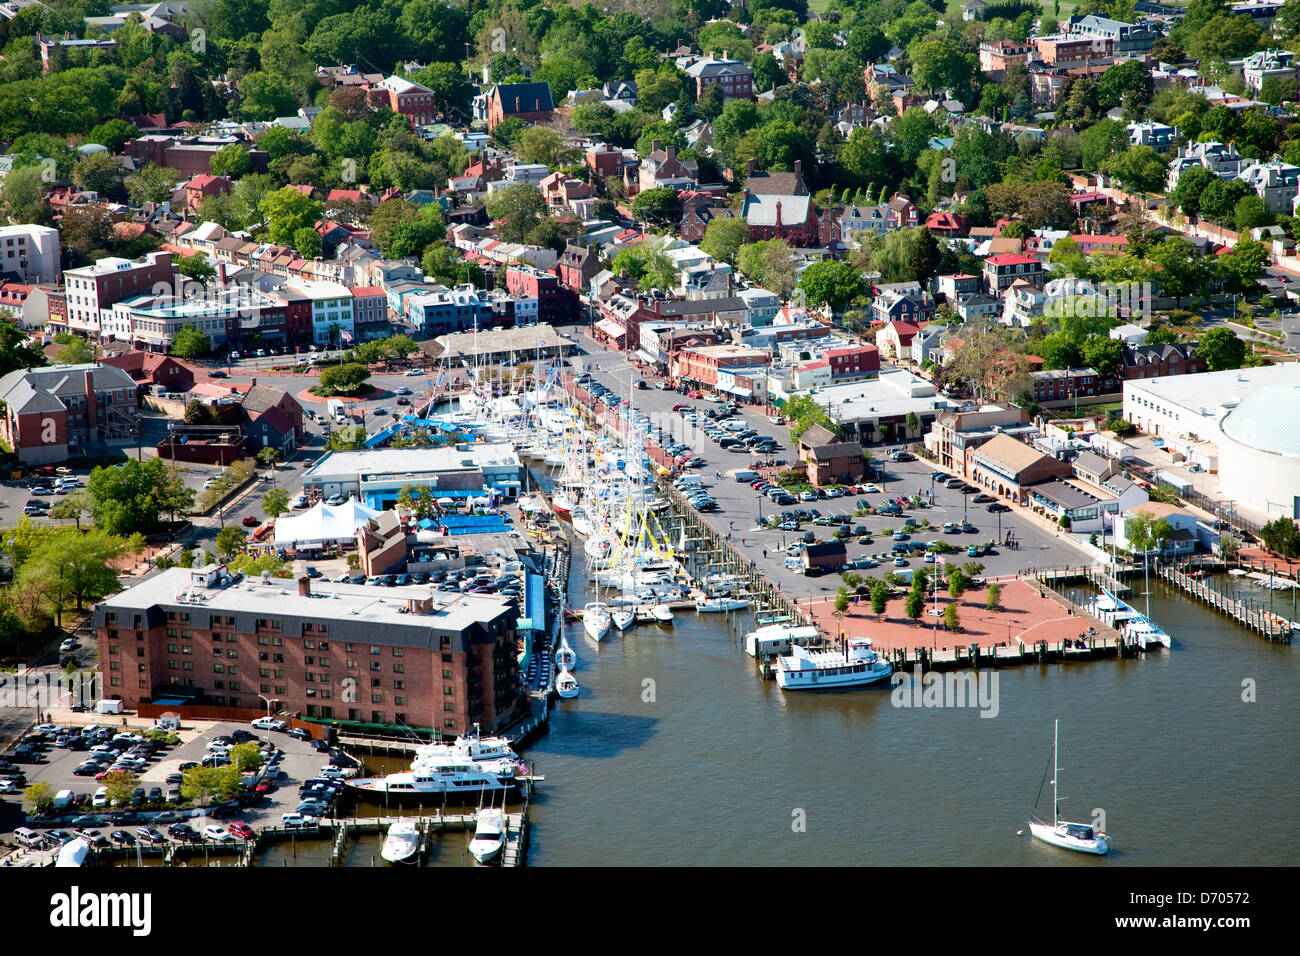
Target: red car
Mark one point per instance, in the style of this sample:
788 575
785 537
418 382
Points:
250 521
694 394
241 830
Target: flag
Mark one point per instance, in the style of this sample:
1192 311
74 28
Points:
345 335
441 376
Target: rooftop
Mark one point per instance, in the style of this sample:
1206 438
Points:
383 463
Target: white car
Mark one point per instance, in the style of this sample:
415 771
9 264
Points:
269 723
413 372
101 798
296 820
69 645
218 833
716 400
775 419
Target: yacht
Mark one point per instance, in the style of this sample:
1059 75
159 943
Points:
596 620
662 613
719 604
566 685
855 664
444 775
1079 837
489 834
564 655
401 843
471 745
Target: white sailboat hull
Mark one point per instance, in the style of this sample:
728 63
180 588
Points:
1058 836
566 685
623 619
721 604
662 613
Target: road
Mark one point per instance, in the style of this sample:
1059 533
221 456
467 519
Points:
739 507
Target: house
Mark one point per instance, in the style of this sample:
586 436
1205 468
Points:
735 79
915 308
52 413
1276 182
1060 384
950 225
1000 271
662 168
976 305
578 265
1118 36
830 461
1150 133
150 370
1158 361
895 339
954 432
1006 467
530 102
1183 523
1129 334
698 210
824 556
1267 64
273 418
995 56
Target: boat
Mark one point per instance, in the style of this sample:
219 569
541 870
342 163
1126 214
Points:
401 843
446 775
564 655
662 613
566 685
596 620
718 604
1080 837
489 834
73 853
562 503
623 618
854 664
1238 572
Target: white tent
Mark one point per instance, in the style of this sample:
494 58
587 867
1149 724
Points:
324 523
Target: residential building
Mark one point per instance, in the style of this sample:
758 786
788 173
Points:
556 302
828 460
1267 64
52 413
701 364
1183 523
1224 161
328 651
1002 270
1150 133
1276 182
735 79
407 98
30 253
915 308
1120 36
1152 361
530 102
332 321
1056 385
895 339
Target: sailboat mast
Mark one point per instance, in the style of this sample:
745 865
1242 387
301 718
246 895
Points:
1056 738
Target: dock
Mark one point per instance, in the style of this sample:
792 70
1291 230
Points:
1272 626
1098 577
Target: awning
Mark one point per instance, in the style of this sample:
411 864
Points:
646 357
611 328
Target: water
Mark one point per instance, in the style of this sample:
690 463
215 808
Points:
718 767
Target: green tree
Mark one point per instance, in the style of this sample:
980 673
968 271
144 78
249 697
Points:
648 265
841 601
113 134
832 283
1281 537
517 209
993 597
723 238
308 243
1104 354
914 604
1186 195
134 496
285 211
190 342
770 263
275 502
231 161
195 266
119 787
347 379
246 757
1059 350
1139 168
77 352
879 597
1221 349
1102 140
98 172
39 796
204 786
956 583
71 568
72 505
951 621
657 205
230 541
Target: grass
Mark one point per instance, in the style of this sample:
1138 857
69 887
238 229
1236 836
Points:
1101 408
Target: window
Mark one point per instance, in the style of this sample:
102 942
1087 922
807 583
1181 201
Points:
263 656
374 665
112 648
173 665
311 678
171 632
187 649
399 685
449 724
399 669
187 665
324 645
352 664
277 641
264 672
310 645
373 649
397 652
264 641
400 702
279 674
264 688
231 652
218 669
448 690
324 662
281 689
171 649
449 707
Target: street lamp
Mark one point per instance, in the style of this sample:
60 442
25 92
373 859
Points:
269 702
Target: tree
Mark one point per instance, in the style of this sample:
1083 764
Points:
72 505
770 263
951 621
190 342
1104 354
841 601
230 541
345 379
119 787
39 795
1142 533
1221 349
206 785
98 172
879 597
914 604
1059 350
285 212
832 283
517 210
1241 268
133 496
1281 537
195 266
648 265
956 583
113 134
231 161
1186 195
246 757
657 205
77 352
1102 140
723 238
993 597
275 502
1139 168
541 144
73 568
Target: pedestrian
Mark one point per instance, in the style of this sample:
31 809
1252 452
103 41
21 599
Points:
765 554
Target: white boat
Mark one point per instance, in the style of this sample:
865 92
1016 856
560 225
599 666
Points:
1080 837
596 620
854 664
566 685
662 613
484 750
401 843
623 618
446 775
73 853
1238 572
489 834
564 655
716 605
581 523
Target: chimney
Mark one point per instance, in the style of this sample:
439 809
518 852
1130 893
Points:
798 169
92 417
518 105
672 152
656 145
304 586
221 274
778 215
751 166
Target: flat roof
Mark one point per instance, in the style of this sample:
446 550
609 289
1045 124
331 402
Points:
399 461
1203 392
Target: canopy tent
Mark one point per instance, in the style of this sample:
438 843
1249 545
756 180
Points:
324 523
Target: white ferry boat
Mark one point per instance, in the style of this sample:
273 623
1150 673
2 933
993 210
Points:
854 665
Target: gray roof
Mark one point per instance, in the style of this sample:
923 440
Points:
1092 463
43 389
761 210
261 397
1066 495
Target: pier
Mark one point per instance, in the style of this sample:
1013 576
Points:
1263 622
1095 576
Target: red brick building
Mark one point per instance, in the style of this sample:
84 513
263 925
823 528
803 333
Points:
700 364
556 303
410 99
530 102
201 187
322 651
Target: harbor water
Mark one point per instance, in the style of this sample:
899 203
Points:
676 753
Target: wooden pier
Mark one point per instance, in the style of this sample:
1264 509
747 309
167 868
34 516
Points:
1098 577
1272 626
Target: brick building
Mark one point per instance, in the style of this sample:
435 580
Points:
530 102
556 303
92 291
52 413
735 79
324 651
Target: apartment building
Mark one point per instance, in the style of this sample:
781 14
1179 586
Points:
92 291
31 253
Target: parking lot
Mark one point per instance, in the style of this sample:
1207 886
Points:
298 761
741 510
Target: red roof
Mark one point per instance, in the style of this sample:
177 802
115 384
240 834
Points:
305 188
363 291
856 350
1012 259
203 180
355 195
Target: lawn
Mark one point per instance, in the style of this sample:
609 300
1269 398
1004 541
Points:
1101 408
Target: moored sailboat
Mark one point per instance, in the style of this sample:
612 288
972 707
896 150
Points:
1080 837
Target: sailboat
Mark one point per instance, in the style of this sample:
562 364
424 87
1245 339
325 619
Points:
623 618
564 655
566 685
1080 837
489 834
596 620
401 843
